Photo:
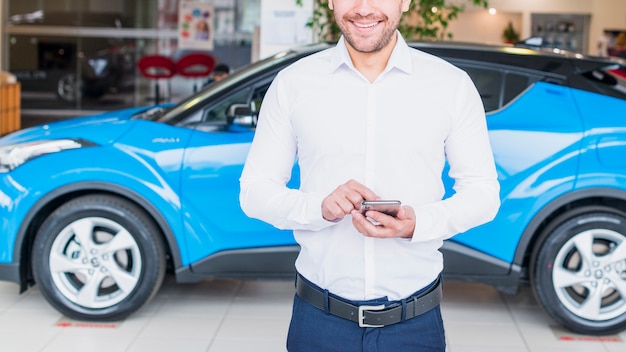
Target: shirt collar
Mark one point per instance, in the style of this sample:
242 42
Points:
400 56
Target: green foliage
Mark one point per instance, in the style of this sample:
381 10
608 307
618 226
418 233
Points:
322 22
509 34
426 19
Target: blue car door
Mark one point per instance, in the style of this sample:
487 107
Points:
535 130
212 166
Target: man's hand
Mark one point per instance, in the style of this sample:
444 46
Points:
344 199
402 226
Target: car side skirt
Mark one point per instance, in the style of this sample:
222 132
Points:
278 262
11 272
252 263
465 264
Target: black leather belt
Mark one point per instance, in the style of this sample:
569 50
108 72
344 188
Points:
373 316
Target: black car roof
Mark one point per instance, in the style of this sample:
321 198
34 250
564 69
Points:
555 61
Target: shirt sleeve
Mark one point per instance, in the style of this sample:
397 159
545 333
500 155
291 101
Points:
476 197
263 184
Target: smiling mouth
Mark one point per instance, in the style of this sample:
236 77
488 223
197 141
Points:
365 25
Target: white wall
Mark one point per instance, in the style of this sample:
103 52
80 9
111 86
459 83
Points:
607 14
474 25
480 26
283 25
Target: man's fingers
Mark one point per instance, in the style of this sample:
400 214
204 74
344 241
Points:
402 225
363 191
344 199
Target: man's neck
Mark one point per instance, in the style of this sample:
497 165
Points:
371 65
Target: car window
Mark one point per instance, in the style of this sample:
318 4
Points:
257 96
191 120
610 82
252 96
217 112
498 86
515 84
489 84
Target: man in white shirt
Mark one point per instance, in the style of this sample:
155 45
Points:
370 119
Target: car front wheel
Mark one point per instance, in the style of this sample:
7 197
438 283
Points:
98 257
579 275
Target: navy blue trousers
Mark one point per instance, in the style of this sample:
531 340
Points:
312 329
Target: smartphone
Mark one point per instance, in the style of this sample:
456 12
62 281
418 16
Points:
389 207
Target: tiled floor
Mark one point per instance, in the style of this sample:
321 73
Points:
232 315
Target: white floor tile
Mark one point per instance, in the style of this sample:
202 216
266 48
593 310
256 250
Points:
9 288
254 328
169 345
615 346
184 306
224 315
493 336
21 343
266 308
180 327
88 342
247 345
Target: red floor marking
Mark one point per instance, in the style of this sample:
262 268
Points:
590 338
67 324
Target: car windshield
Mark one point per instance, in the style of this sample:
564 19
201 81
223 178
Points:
174 113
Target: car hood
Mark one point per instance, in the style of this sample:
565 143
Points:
101 129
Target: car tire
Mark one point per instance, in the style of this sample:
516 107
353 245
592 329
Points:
579 271
98 258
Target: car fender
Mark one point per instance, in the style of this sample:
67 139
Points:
99 187
585 196
134 181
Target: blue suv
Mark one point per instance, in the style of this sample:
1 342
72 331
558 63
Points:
96 210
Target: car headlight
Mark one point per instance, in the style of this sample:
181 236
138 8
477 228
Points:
14 155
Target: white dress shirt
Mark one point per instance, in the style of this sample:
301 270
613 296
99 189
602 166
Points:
393 135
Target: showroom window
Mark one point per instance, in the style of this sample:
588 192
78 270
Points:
76 56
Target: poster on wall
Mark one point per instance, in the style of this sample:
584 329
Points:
195 25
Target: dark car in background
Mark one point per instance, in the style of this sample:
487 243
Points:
72 69
110 70
131 194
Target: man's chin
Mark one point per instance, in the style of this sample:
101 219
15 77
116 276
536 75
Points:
365 46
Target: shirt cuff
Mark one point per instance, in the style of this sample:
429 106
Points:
424 225
314 212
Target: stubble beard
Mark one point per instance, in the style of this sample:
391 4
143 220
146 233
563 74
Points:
367 45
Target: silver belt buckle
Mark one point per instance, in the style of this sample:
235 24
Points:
362 310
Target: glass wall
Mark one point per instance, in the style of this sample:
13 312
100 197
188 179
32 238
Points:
76 56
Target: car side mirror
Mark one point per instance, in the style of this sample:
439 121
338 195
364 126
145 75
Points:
242 115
